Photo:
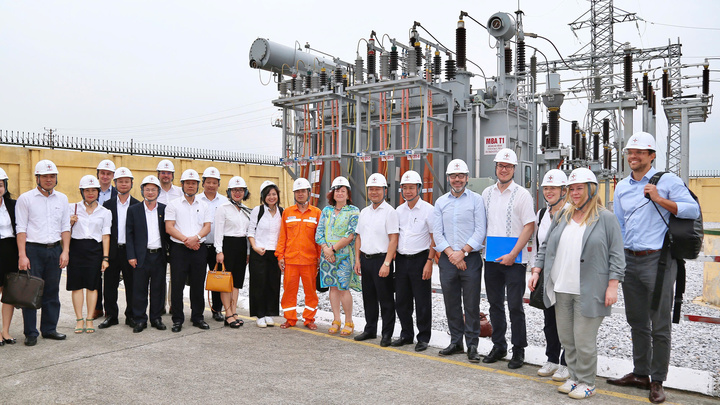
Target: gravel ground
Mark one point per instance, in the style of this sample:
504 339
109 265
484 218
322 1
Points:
694 345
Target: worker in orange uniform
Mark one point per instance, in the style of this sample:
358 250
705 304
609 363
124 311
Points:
298 255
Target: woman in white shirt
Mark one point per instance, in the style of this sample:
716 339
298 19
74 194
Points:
584 256
263 235
89 248
8 252
232 219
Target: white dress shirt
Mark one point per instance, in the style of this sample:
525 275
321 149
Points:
416 225
122 219
213 204
6 230
42 219
90 226
230 221
189 218
508 212
267 230
153 232
375 226
166 196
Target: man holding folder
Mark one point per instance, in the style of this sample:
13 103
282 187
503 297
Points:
510 224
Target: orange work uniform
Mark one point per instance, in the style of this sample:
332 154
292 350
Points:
296 245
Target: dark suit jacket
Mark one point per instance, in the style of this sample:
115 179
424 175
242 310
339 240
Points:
111 204
136 232
10 206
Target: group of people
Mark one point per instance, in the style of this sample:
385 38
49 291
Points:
583 252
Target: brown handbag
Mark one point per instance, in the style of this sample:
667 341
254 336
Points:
485 326
23 290
219 281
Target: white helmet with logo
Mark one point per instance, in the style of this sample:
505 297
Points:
150 180
190 174
89 181
3 175
123 172
106 164
376 180
301 184
457 166
265 184
211 172
237 182
45 167
506 156
340 181
582 175
555 178
641 140
411 177
166 166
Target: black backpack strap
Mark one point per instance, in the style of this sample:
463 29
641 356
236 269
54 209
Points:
537 232
679 290
260 214
660 278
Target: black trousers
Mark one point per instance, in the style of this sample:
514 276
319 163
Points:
409 287
44 264
187 264
498 279
377 291
211 262
553 349
264 284
112 281
152 275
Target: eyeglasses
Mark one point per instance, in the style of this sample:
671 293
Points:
457 176
504 167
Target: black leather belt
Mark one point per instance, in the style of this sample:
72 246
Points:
45 245
641 252
375 256
424 252
154 250
121 245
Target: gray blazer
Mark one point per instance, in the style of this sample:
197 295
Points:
602 259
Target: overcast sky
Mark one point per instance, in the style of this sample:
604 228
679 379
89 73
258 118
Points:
177 72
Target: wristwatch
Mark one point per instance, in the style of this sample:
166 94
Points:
466 253
386 264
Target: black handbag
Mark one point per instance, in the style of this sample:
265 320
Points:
23 290
317 284
537 299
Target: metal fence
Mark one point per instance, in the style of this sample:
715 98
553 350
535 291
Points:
705 173
53 141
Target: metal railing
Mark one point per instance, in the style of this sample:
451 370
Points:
705 173
54 141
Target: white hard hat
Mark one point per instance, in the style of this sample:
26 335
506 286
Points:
339 182
106 164
376 180
150 180
641 140
411 177
190 174
265 184
89 181
3 175
554 177
457 166
582 175
301 184
45 167
165 166
122 172
506 156
211 172
237 182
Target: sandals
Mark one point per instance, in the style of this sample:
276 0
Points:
311 326
334 328
89 330
80 330
347 329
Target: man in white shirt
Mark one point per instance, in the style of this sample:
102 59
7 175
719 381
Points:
414 263
166 175
43 237
375 245
510 214
210 196
187 221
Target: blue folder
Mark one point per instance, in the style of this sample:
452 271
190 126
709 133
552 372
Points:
497 246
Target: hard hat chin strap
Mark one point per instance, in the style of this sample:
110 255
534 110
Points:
589 198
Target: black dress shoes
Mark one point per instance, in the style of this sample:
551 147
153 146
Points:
139 327
518 358
159 325
402 342
421 346
129 322
631 380
201 325
452 349
385 341
177 327
495 354
30 340
10 341
54 336
218 316
473 355
108 322
365 336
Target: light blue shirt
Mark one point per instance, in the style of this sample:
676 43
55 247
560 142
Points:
641 225
459 221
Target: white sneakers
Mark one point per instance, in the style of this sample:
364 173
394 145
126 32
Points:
568 387
269 321
561 374
261 323
582 391
548 369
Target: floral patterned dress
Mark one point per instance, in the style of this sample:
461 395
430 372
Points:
330 230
